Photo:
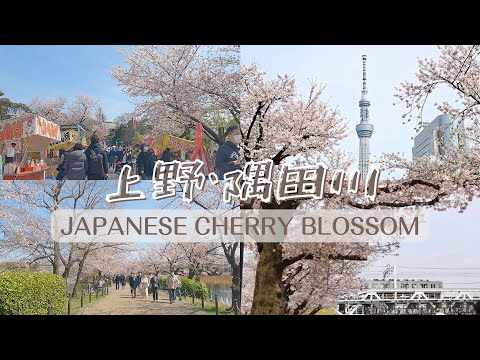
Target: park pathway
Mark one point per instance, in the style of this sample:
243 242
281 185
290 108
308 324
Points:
119 302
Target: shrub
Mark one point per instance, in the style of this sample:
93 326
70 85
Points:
162 281
29 293
198 287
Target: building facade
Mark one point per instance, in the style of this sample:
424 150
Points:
403 284
436 137
364 129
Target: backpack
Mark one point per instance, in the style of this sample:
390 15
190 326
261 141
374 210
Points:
95 164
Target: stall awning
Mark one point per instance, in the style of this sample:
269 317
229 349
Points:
68 139
22 127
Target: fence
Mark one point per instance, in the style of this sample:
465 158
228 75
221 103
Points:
91 290
192 295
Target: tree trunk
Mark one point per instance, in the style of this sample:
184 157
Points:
191 273
269 297
66 271
235 284
56 258
79 274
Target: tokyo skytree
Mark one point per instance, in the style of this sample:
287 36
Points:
364 129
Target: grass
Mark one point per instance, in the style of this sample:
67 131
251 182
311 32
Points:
75 302
209 306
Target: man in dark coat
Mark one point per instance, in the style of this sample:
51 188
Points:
118 280
97 160
133 286
167 155
119 154
228 154
154 285
145 163
111 158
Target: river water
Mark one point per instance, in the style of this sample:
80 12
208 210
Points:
223 291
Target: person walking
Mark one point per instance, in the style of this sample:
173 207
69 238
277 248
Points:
111 158
122 279
228 154
145 163
135 153
144 285
119 154
138 282
62 157
76 164
133 285
167 155
171 286
126 158
154 156
97 160
178 287
154 285
118 279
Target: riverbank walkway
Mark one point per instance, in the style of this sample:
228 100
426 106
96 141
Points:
119 302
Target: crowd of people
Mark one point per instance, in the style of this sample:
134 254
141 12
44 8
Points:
140 158
143 285
95 162
79 164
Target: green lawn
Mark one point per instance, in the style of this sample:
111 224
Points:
210 307
75 302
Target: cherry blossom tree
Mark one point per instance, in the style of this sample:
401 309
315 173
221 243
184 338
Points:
177 86
276 123
108 260
455 175
82 109
162 258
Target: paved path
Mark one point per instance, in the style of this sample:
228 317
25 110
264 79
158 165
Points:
112 175
119 302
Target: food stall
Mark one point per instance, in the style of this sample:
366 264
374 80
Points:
32 134
184 150
69 136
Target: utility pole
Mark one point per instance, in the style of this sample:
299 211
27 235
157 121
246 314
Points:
134 126
395 276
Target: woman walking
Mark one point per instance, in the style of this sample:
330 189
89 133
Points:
171 286
144 286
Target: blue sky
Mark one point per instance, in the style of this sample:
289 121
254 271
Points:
453 240
51 71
